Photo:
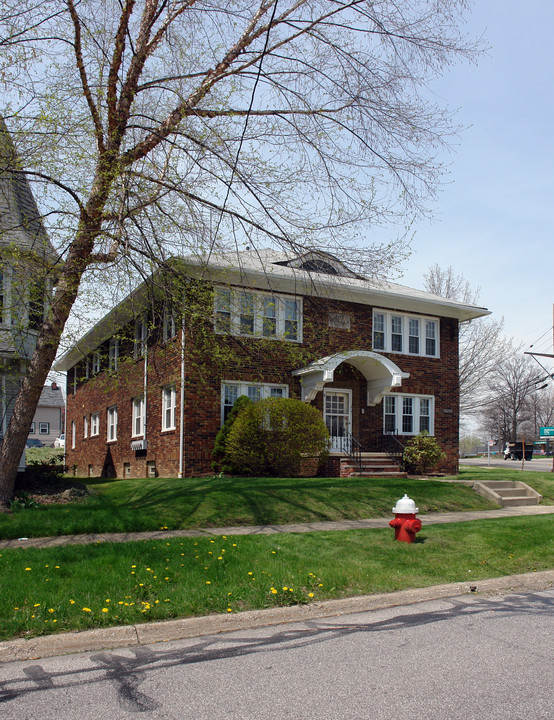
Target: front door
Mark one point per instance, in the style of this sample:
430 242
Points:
337 412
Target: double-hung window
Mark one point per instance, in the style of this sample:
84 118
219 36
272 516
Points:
44 428
140 337
85 426
244 312
407 334
95 362
408 414
112 423
230 391
169 399
94 424
138 416
169 327
113 355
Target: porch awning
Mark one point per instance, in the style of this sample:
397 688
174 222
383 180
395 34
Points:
381 373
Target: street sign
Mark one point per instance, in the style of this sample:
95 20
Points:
546 432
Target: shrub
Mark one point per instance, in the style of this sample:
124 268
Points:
422 454
218 452
272 436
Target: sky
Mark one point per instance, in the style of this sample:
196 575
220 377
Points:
494 216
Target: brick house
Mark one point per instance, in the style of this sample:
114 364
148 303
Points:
149 386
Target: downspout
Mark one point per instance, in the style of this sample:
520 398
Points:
182 399
145 388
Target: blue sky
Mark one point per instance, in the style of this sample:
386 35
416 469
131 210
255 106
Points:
494 217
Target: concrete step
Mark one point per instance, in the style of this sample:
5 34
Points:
518 500
508 493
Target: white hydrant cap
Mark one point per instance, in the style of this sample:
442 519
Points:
405 505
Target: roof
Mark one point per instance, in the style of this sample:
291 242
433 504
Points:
274 271
50 397
20 221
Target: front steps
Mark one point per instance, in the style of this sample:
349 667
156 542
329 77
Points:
372 465
507 493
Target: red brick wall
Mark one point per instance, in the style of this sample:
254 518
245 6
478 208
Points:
211 359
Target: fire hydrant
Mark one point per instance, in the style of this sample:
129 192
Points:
405 524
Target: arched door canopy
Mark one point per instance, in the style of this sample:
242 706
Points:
381 373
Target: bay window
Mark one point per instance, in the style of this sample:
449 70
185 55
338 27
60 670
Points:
408 414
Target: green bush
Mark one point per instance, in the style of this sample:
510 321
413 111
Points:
422 454
218 452
270 438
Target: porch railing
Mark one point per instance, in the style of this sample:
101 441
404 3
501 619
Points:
349 445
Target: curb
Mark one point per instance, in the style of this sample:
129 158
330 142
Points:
134 635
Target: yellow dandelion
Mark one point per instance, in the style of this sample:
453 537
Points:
87 609
208 582
50 610
104 609
310 594
72 602
27 568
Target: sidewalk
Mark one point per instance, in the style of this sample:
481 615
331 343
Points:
163 631
430 519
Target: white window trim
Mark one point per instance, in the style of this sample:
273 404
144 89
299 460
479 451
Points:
96 362
94 424
169 325
258 297
111 430
171 407
138 414
113 354
141 332
46 425
73 434
242 389
416 412
85 426
406 317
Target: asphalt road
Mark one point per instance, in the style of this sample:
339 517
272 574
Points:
539 464
464 657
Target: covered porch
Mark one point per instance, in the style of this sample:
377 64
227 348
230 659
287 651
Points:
348 388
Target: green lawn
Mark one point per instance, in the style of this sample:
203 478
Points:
153 503
99 585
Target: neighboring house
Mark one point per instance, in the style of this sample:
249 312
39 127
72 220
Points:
48 422
26 261
379 360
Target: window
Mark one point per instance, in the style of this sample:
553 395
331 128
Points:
112 423
242 312
408 414
113 355
230 391
402 334
73 434
44 428
32 430
413 336
94 424
138 417
95 362
140 337
169 330
168 407
85 426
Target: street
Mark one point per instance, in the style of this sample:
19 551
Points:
538 464
464 657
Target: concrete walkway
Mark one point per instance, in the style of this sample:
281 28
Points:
429 519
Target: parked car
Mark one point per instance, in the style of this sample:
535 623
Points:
59 442
33 442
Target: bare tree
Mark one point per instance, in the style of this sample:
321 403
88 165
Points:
508 410
482 345
169 125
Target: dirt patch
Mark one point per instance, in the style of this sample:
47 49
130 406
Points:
52 492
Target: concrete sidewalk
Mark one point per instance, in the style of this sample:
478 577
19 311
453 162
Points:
372 523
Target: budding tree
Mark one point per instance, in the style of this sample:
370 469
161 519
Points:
168 126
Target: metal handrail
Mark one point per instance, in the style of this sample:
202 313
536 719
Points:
351 446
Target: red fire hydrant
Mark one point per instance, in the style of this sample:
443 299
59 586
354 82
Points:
405 524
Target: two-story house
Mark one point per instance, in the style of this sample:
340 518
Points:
27 262
149 386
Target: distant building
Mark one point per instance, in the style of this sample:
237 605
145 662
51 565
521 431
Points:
48 422
26 280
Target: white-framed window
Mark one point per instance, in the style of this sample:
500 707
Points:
95 362
112 423
141 332
169 399
245 312
85 426
407 334
408 414
113 354
169 327
231 390
138 416
32 430
94 424
73 434
43 428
